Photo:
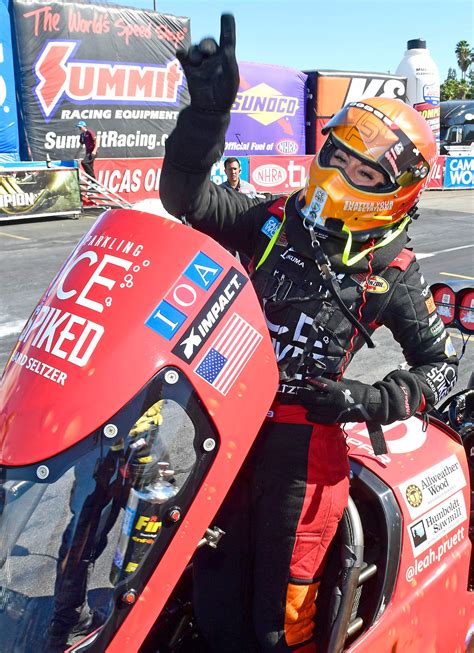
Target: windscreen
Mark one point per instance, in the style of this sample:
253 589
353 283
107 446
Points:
76 528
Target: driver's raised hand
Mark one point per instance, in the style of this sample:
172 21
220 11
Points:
211 70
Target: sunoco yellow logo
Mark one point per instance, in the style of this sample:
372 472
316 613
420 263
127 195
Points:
264 104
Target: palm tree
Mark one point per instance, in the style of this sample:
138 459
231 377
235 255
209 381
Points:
465 57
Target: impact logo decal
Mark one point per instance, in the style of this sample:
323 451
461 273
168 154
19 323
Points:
199 276
210 316
83 81
265 104
228 354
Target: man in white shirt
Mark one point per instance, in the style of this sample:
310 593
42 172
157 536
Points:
232 170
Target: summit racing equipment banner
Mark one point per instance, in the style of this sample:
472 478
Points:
268 115
28 191
113 67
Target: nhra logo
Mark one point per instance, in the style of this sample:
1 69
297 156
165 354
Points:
83 81
264 104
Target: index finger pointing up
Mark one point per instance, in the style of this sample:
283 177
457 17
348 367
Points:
227 31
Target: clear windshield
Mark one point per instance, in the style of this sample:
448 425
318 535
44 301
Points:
75 528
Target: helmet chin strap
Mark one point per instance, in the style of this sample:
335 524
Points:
385 240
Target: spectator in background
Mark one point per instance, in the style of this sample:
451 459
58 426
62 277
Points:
89 141
232 170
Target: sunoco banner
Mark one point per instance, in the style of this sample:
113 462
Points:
268 115
26 192
113 67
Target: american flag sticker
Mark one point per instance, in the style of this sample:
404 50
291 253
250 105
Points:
228 354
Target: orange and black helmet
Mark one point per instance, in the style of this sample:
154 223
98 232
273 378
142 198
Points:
383 133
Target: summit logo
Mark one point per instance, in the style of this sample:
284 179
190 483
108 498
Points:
81 81
265 104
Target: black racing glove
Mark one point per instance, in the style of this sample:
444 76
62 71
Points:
397 397
211 70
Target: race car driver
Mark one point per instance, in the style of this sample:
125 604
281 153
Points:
330 265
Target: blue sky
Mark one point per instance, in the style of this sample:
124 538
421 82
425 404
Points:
359 35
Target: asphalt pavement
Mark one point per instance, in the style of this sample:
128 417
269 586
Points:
32 252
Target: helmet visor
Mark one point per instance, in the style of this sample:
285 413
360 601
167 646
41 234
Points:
373 135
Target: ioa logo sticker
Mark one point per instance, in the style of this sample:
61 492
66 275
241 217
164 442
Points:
265 104
173 309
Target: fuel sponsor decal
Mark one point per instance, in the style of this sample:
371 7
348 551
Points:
437 523
434 555
228 354
432 486
148 527
210 316
374 284
198 276
268 114
265 104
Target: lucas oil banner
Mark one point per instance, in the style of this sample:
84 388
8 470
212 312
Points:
113 67
268 115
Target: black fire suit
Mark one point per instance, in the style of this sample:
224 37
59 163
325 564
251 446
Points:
282 513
